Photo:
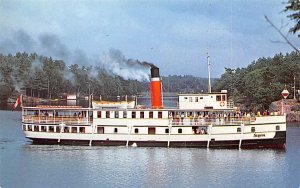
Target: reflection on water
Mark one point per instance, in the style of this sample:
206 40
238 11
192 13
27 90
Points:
25 165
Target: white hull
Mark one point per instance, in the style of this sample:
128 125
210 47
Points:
254 134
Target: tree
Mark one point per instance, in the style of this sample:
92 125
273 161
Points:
294 6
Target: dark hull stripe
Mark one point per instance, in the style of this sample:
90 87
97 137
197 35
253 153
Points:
277 142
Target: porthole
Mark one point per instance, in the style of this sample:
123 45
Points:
180 130
115 130
166 131
136 130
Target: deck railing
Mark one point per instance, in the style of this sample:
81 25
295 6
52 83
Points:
56 119
209 121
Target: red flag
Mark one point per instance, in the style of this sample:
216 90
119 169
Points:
18 102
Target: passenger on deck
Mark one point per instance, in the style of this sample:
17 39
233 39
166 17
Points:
182 117
191 119
79 115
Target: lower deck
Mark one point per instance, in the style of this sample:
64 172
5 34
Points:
278 142
229 136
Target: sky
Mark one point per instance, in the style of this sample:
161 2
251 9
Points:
175 35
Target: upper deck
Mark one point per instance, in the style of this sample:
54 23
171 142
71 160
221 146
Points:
141 117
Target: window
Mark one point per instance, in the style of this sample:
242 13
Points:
166 131
66 129
223 97
82 129
57 129
24 127
29 128
115 130
98 114
151 130
196 99
218 97
133 115
107 114
179 130
124 114
239 130
43 129
51 129
116 114
185 98
252 129
277 128
190 99
36 128
100 130
159 114
150 114
136 130
74 129
201 97
142 114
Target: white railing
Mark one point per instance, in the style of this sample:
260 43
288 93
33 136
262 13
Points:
55 119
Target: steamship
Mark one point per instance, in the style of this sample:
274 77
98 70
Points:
200 120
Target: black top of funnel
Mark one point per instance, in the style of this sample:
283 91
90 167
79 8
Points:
154 72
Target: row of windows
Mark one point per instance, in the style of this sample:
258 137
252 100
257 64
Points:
100 130
150 130
197 99
253 129
133 114
56 129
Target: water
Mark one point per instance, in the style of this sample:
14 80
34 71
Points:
26 165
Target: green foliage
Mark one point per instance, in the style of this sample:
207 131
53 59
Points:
256 86
294 7
185 84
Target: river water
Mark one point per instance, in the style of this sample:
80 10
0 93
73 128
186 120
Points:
25 165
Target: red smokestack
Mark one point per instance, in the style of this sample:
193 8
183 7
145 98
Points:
155 88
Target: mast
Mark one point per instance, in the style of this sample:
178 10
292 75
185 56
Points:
208 67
